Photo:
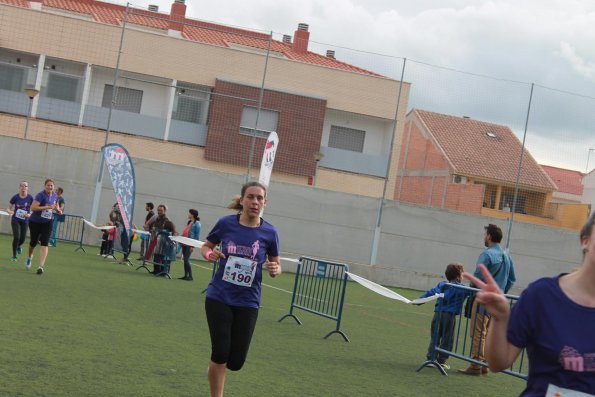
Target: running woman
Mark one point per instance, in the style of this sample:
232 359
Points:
20 209
43 208
248 244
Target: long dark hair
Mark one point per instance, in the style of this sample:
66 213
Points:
194 215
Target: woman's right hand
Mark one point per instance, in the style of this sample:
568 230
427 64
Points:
213 255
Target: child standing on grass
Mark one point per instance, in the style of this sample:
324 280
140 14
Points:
445 312
107 241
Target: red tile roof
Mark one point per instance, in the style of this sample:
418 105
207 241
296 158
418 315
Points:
18 3
199 31
568 181
473 152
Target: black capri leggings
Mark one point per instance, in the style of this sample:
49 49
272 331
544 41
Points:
40 232
19 233
231 329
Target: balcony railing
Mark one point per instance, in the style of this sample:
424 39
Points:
347 160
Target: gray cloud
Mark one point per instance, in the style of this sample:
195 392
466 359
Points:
516 43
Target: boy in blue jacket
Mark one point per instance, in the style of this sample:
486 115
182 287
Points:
445 312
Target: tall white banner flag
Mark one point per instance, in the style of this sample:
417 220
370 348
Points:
268 158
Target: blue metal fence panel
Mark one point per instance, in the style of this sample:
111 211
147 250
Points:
70 228
319 288
463 339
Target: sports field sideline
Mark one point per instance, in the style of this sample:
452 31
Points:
91 327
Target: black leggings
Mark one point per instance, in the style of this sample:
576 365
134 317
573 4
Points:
19 233
231 329
39 233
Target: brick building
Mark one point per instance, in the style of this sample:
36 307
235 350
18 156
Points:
467 165
189 92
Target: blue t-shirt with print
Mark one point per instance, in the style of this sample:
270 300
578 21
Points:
22 206
559 336
237 281
44 199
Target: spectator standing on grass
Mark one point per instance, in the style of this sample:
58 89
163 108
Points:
192 231
43 208
164 252
249 244
445 312
115 217
554 320
501 267
20 209
58 218
107 241
145 242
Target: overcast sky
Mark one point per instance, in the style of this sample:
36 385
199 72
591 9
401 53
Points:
515 42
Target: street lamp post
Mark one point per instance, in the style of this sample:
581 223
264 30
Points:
31 93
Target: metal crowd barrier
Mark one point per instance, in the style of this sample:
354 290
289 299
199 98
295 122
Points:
69 228
154 256
319 289
464 339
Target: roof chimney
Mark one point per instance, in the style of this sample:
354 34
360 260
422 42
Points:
287 38
153 7
330 53
300 38
177 13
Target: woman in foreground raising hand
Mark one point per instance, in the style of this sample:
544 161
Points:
554 319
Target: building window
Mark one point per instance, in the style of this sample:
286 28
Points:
267 122
127 99
60 86
12 78
347 138
191 103
508 198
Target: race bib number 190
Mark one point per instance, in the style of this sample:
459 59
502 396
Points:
239 271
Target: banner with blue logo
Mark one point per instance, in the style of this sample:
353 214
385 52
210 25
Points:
121 173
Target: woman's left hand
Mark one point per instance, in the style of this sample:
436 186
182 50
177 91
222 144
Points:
274 268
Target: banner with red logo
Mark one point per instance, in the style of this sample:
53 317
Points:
268 158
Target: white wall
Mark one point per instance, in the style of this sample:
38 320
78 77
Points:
377 130
416 242
589 189
155 96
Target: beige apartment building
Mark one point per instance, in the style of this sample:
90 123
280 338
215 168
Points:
195 93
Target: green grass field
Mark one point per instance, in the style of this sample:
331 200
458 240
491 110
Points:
91 327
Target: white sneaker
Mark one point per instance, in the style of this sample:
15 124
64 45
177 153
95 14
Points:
40 270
